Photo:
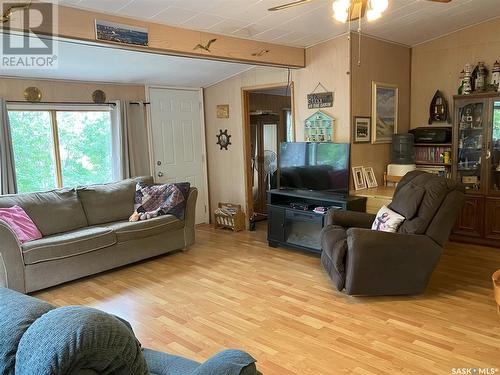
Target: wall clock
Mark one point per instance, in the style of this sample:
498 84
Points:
223 139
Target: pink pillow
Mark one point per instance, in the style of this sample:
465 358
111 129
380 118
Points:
22 225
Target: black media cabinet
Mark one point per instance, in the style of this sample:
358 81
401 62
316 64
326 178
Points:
301 229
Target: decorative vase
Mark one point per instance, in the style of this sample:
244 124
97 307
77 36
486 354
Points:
496 287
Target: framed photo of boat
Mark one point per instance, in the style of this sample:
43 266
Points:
384 112
120 33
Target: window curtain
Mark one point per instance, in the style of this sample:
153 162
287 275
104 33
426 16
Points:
8 183
129 140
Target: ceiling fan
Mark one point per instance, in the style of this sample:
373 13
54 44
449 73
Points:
355 8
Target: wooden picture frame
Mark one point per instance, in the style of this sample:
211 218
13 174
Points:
223 111
362 129
385 101
359 178
371 180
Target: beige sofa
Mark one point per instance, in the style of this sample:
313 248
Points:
86 231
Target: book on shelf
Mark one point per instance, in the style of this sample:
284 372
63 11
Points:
432 154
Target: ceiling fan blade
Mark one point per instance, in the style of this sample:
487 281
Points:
440 1
289 5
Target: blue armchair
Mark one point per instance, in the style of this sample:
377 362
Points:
38 338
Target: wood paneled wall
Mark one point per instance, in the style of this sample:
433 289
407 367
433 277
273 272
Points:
66 91
382 62
327 63
436 65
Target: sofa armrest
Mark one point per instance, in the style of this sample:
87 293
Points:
349 219
11 260
190 217
382 263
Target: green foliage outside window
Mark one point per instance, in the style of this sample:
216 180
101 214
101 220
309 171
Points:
84 148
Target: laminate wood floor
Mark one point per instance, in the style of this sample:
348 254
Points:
231 290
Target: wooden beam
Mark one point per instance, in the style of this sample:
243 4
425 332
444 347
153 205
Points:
80 25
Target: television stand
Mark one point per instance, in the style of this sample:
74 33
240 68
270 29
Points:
300 229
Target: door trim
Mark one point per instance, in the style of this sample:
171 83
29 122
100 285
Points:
245 98
203 136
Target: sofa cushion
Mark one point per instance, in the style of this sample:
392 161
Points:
67 244
55 211
408 200
110 202
128 231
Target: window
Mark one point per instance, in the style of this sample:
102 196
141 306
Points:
61 148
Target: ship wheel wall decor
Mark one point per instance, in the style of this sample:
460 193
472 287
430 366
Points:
223 139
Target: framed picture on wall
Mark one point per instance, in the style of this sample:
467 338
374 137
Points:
362 129
359 178
384 112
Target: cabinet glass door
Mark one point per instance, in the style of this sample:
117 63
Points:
471 139
493 153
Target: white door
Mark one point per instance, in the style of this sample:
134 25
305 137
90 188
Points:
178 141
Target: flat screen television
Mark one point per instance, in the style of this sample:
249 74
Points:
314 166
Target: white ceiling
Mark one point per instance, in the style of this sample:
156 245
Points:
406 21
108 64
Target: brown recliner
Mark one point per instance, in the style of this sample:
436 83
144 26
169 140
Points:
371 263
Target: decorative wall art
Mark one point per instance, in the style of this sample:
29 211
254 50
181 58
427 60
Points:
99 97
384 112
223 111
359 178
205 47
33 94
223 139
120 33
362 129
371 180
438 111
320 99
319 128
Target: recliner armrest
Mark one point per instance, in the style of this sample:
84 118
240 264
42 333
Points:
349 219
11 260
382 263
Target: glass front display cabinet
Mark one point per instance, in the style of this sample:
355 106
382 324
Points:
476 163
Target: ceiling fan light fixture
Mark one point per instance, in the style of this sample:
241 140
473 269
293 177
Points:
341 10
373 15
379 5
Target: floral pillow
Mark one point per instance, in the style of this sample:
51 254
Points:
156 200
387 220
20 223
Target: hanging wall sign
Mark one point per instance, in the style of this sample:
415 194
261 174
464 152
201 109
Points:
320 100
317 100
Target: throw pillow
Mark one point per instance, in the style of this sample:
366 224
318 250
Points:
387 220
408 200
20 223
156 200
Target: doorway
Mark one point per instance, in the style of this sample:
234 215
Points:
178 141
268 121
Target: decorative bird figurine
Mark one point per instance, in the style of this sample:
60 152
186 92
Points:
206 47
9 12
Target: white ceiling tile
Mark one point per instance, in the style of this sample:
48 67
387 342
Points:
174 16
108 6
145 8
228 26
202 22
405 21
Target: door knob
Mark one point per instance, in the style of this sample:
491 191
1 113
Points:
158 163
160 174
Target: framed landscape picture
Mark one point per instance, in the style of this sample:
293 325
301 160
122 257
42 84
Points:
362 129
384 112
120 33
